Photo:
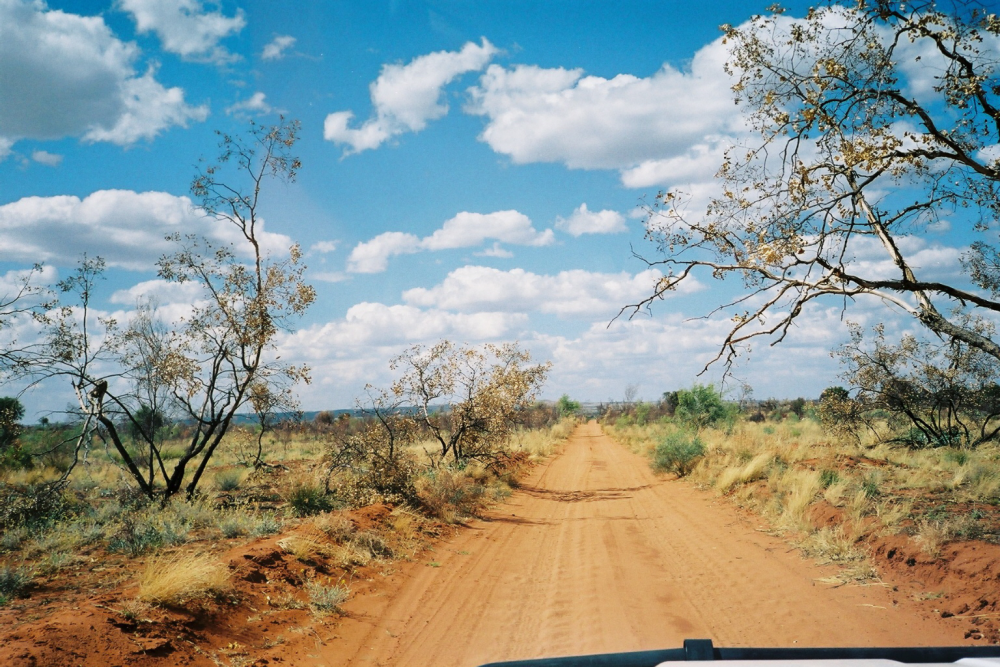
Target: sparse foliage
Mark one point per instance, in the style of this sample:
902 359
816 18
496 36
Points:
21 299
840 414
11 413
215 360
868 123
947 392
374 458
327 598
468 398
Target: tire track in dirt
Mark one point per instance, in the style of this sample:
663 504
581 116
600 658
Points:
596 554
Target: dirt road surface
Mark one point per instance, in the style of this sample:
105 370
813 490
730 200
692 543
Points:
597 554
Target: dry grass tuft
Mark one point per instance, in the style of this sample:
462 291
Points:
832 545
803 487
335 526
177 579
931 536
134 610
326 599
308 547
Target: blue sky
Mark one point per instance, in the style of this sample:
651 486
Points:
471 170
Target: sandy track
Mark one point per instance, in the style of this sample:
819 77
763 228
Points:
597 554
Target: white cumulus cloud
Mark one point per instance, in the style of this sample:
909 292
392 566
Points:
495 251
62 74
275 49
47 158
574 293
465 230
585 221
537 114
126 228
373 256
184 27
471 229
349 352
161 292
406 97
148 109
256 103
323 246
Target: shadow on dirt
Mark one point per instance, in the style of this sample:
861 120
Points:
582 496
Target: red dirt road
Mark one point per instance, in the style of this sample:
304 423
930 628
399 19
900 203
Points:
596 554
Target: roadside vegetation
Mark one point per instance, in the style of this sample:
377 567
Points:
101 515
186 439
834 474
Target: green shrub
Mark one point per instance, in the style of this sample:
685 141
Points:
567 406
871 485
228 480
232 526
135 538
624 421
327 599
264 524
173 533
13 581
678 453
828 478
702 406
11 540
956 456
31 505
642 413
307 498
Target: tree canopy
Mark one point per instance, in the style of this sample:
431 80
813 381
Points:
867 125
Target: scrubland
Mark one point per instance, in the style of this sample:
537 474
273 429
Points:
833 496
98 532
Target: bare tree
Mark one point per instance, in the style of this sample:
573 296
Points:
212 363
23 299
869 123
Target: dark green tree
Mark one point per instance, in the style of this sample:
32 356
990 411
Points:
567 406
11 413
702 406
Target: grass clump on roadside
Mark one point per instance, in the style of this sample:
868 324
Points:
835 493
175 580
327 598
306 497
13 582
451 494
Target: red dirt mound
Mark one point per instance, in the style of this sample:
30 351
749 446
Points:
266 613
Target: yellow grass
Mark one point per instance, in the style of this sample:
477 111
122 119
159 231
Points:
176 579
780 470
